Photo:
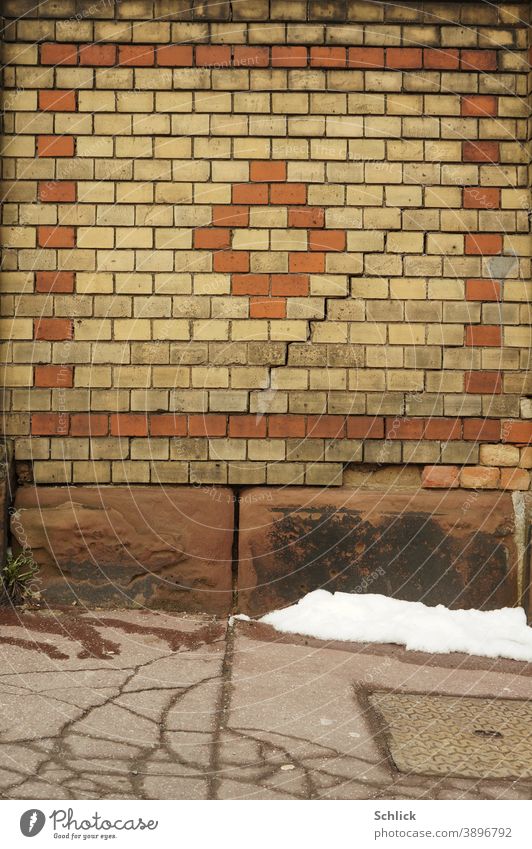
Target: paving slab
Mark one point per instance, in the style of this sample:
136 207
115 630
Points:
160 705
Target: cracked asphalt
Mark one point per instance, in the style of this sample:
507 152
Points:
156 705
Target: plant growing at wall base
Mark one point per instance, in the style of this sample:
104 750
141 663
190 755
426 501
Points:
16 577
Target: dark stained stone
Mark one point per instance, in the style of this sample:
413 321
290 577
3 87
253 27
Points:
452 548
167 547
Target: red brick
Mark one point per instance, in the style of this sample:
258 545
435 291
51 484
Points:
486 244
484 335
252 427
289 57
214 239
290 285
480 151
332 427
89 424
327 57
252 57
250 284
327 240
365 427
97 55
129 424
61 191
404 428
136 55
57 100
519 433
231 261
207 425
54 376
514 479
286 426
479 197
288 193
268 171
175 55
311 216
53 329
366 57
168 425
478 60
59 54
230 216
312 263
483 382
251 194
479 105
404 57
49 424
479 477
483 290
441 60
54 281
55 146
56 237
267 308
445 429
440 477
482 430
213 54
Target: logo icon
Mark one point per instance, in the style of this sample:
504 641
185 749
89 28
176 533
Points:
32 822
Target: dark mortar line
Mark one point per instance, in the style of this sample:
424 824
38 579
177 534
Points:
221 714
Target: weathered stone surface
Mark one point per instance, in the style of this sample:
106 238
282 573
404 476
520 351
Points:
452 548
158 547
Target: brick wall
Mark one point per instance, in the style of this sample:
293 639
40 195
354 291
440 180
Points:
259 242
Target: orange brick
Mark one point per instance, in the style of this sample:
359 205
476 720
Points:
136 55
311 216
445 429
252 427
56 146
168 425
57 100
484 335
404 57
252 57
267 308
250 284
59 54
441 60
519 433
440 477
61 191
89 424
478 60
266 172
479 105
230 216
480 151
231 261
482 430
313 263
479 197
486 244
49 424
56 237
479 477
327 240
365 427
483 290
327 57
214 239
286 426
175 55
366 57
288 193
289 57
332 427
53 329
213 55
97 55
483 382
250 194
54 281
404 428
290 285
129 424
515 479
54 376
207 425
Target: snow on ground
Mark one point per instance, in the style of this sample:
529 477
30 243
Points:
379 619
